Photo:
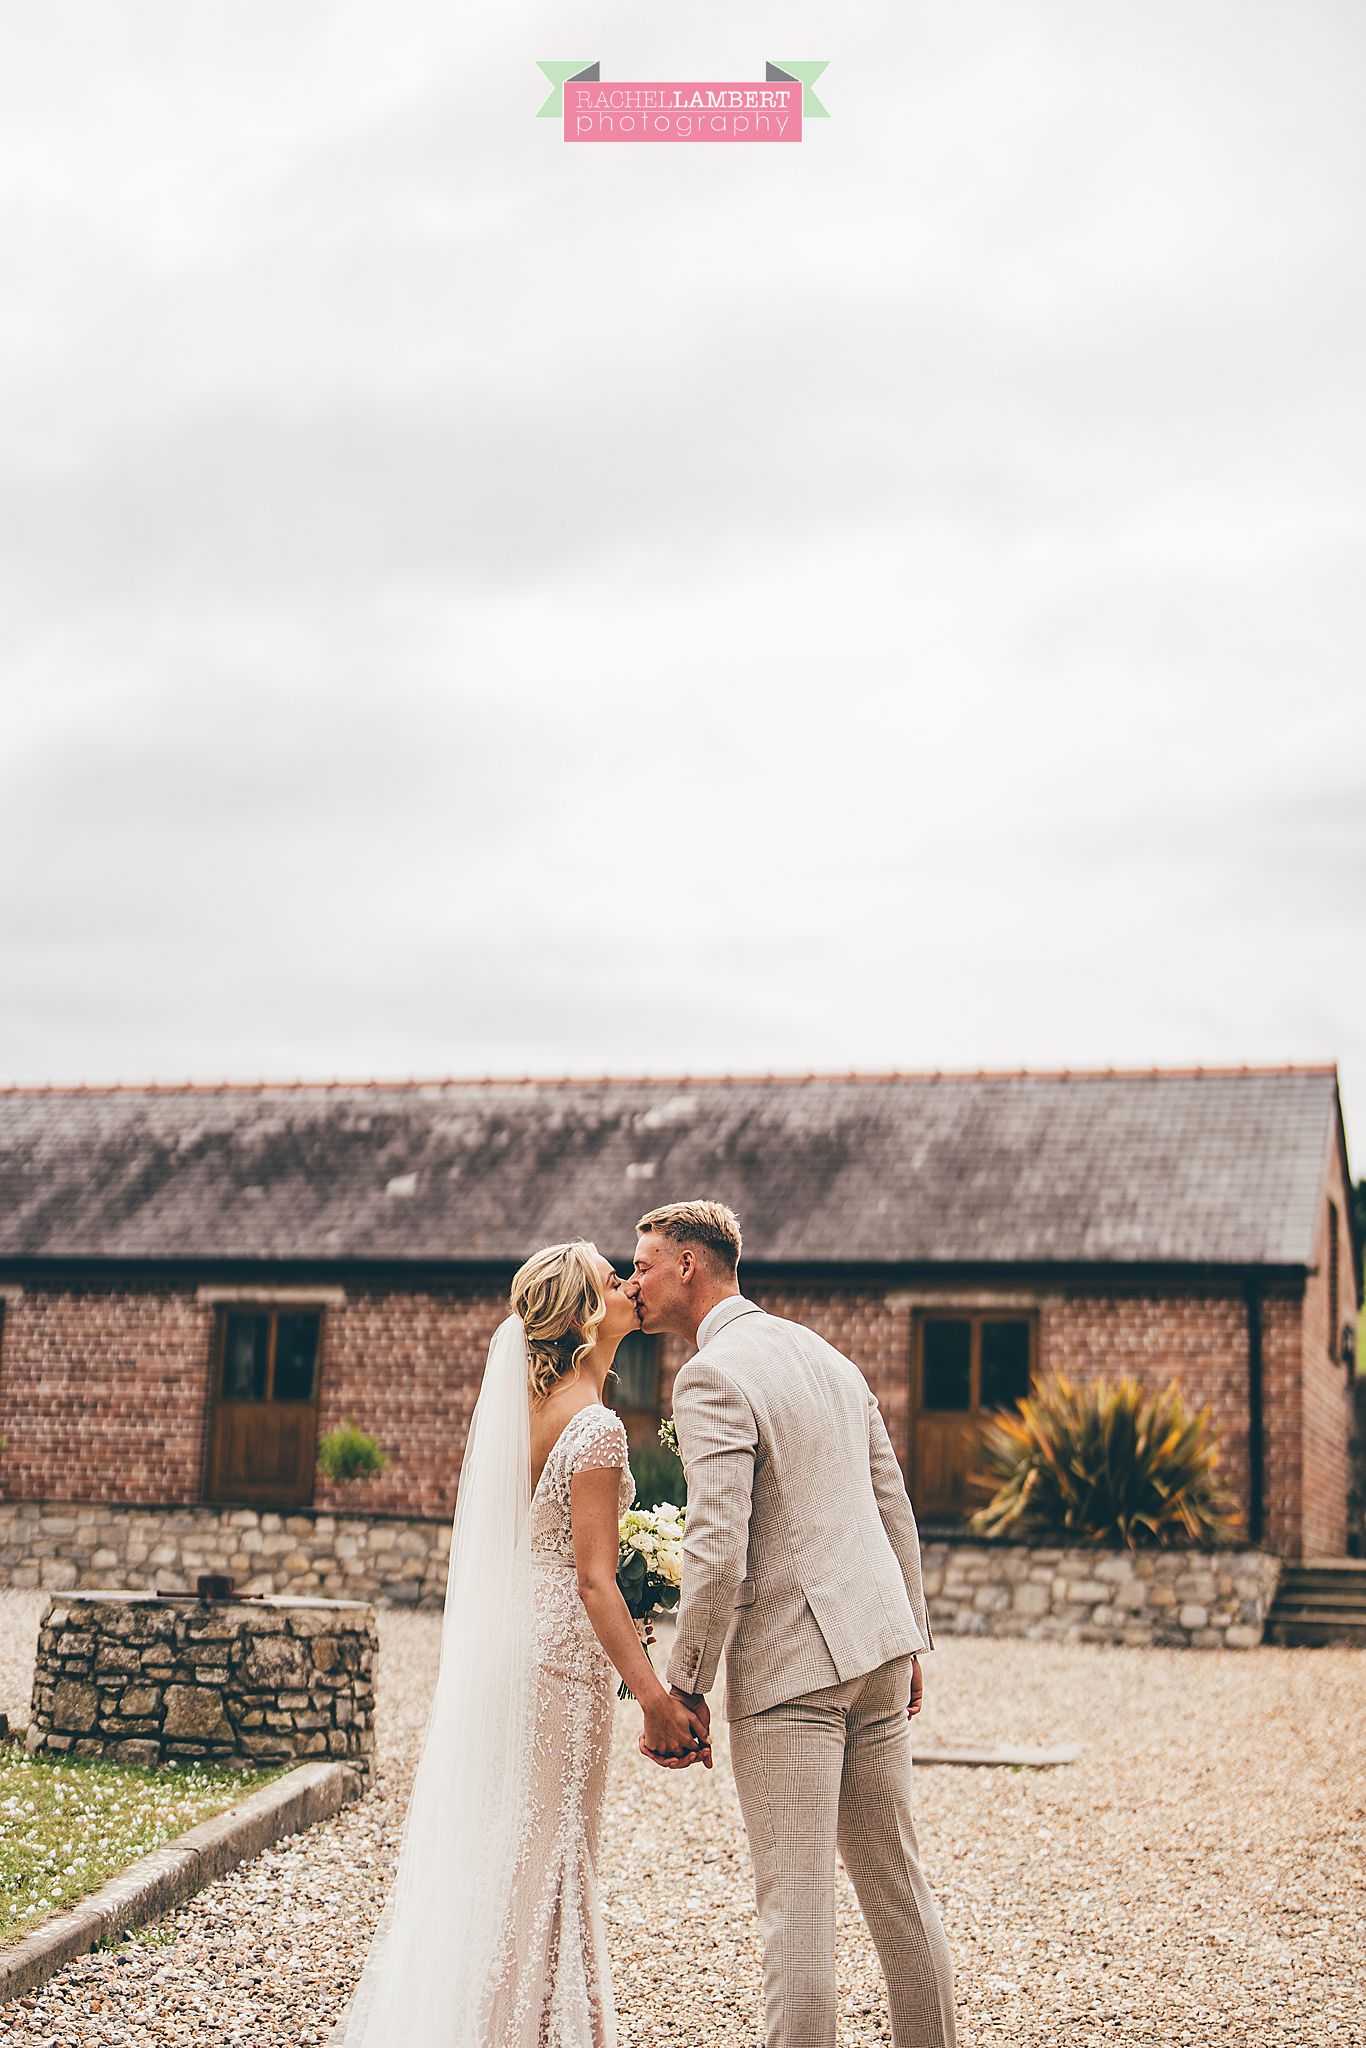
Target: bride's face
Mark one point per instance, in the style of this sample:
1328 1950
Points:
620 1318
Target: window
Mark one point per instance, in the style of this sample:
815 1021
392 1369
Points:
976 1361
1005 1363
947 1365
269 1354
637 1371
246 1357
296 1356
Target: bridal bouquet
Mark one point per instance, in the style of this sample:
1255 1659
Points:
649 1567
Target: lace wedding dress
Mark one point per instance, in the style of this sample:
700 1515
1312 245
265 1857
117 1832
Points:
553 1988
492 1934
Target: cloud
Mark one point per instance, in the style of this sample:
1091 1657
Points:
470 602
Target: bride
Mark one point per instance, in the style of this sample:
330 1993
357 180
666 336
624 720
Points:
492 1935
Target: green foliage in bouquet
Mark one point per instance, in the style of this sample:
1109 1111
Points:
642 1587
658 1471
348 1453
1104 1464
649 1567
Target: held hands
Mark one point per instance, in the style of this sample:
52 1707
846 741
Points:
677 1730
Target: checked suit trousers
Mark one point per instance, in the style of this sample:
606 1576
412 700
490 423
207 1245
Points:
830 1770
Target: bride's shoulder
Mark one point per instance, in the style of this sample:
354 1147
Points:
600 1420
600 1436
592 1411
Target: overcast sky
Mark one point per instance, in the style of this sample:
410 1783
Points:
471 604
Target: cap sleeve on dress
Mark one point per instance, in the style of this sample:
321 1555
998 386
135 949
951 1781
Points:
601 1442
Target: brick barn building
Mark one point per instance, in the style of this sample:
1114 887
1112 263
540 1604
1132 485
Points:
195 1282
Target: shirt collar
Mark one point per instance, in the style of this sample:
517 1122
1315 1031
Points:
708 1322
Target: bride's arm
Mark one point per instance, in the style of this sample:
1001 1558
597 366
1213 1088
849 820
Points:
670 1729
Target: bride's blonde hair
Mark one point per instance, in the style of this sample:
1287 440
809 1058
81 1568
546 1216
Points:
559 1296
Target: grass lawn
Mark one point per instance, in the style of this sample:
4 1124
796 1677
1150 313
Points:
66 1824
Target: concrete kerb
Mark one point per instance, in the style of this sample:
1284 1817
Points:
168 1876
1009 1755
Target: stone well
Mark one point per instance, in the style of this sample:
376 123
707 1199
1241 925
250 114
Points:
144 1679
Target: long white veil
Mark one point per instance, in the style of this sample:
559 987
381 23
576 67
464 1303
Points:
430 1967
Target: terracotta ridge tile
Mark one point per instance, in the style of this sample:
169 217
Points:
412 1084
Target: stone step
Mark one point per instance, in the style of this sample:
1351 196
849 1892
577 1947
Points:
1320 1602
1344 1568
1317 1627
1316 1595
1317 1610
1348 1583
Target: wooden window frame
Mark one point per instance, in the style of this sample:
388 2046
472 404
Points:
975 1317
273 1309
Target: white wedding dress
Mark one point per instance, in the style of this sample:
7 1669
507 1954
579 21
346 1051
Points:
492 1936
554 1988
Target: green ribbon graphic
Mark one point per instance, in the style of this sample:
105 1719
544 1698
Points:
559 71
804 74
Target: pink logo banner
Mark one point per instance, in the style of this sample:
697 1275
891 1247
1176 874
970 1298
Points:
682 111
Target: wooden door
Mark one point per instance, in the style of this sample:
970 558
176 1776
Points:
965 1367
264 1430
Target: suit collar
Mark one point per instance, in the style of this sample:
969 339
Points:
725 1313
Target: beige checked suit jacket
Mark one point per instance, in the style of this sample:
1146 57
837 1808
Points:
801 1557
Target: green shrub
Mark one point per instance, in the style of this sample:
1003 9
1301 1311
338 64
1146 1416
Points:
1104 1464
348 1453
658 1476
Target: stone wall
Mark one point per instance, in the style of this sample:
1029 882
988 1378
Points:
145 1681
353 1557
1185 1599
1200 1598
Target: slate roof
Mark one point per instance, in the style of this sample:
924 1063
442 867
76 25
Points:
1198 1167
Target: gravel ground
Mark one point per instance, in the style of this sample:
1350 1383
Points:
1199 1877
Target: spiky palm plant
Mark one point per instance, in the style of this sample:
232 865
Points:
1105 1464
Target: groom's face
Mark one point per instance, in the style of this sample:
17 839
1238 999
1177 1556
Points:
660 1281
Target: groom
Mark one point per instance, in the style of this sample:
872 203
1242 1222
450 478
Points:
801 1560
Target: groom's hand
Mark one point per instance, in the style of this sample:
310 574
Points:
696 1703
917 1690
673 1735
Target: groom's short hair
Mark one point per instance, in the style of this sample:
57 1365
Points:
710 1225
